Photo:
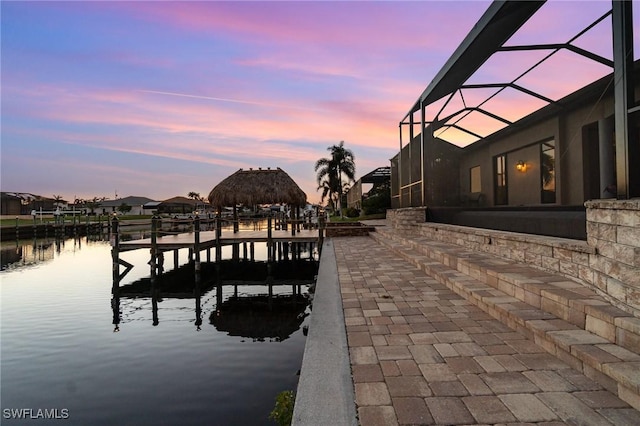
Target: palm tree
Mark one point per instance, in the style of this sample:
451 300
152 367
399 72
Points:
340 163
196 196
328 191
57 201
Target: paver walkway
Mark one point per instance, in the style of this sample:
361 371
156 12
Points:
421 354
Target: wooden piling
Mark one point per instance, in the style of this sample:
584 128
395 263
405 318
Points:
218 245
154 249
196 248
115 253
320 233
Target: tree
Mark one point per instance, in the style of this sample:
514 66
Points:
195 195
58 201
124 208
328 191
378 199
93 203
331 171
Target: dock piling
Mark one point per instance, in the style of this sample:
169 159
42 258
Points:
115 252
196 247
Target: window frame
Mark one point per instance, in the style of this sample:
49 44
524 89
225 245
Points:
500 159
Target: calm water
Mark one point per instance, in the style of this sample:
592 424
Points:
61 349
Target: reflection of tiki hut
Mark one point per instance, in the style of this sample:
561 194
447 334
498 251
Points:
251 187
259 318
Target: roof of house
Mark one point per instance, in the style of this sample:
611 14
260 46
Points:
379 175
130 201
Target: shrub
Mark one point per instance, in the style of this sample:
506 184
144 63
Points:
282 413
378 199
352 212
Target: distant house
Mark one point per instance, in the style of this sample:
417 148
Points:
137 205
22 203
179 205
10 204
358 192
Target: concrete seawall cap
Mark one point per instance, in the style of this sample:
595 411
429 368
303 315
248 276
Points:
325 393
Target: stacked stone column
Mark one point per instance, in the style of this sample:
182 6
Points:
613 228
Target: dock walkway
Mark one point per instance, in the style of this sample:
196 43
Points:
208 239
425 347
278 242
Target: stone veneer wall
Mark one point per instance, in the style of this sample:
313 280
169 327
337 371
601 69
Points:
406 218
608 262
347 229
613 229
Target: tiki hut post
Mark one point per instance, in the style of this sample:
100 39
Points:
236 225
219 223
218 243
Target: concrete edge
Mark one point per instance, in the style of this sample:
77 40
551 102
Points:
325 394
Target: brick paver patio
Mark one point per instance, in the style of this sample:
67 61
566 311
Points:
421 354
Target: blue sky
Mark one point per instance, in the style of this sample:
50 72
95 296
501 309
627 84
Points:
159 99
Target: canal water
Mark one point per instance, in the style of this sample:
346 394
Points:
70 349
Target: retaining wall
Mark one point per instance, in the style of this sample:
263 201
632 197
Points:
608 262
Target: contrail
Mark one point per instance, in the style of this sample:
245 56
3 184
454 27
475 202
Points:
237 101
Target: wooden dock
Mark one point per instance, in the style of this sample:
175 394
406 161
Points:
278 241
227 237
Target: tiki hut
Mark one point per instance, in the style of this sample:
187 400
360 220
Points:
262 186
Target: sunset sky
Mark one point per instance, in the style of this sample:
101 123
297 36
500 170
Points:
159 99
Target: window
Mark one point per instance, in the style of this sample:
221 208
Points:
500 179
475 182
548 171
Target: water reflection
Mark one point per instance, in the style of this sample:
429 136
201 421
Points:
261 317
23 253
75 360
246 302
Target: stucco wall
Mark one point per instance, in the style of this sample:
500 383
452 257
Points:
524 186
566 129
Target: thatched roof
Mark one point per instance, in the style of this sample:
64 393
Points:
262 186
